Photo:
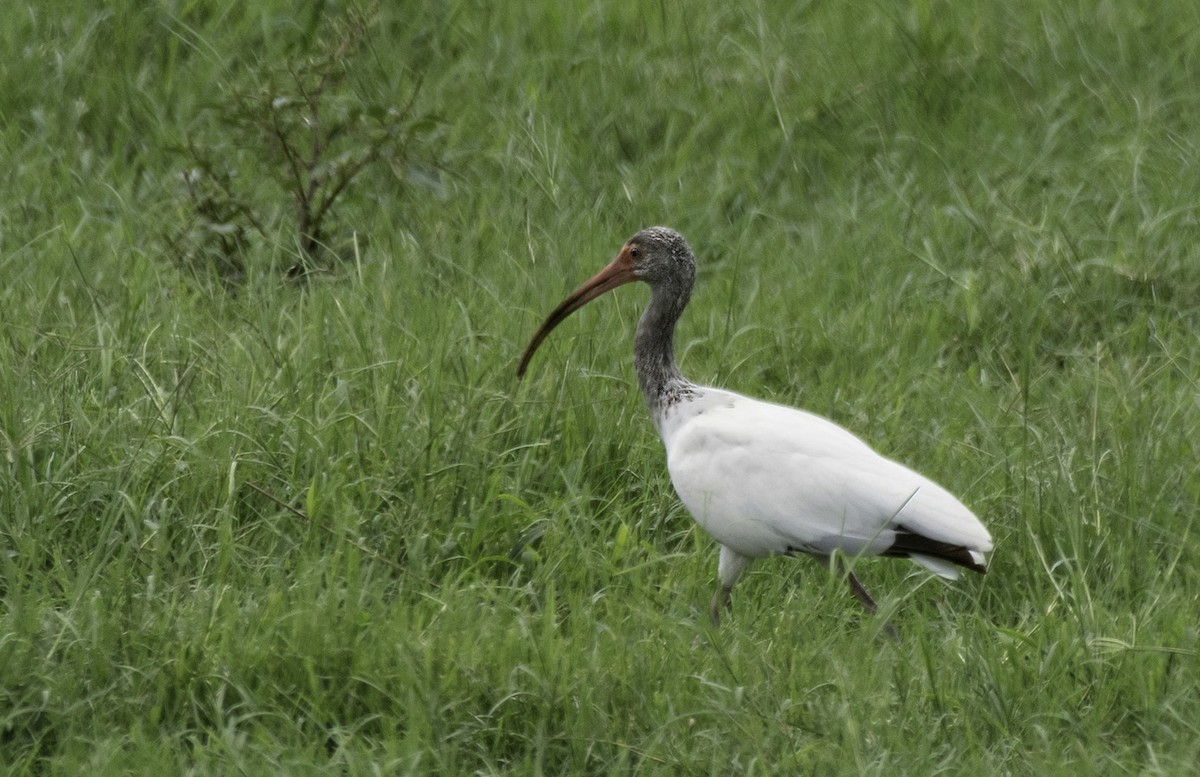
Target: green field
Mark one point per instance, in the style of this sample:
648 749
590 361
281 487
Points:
273 510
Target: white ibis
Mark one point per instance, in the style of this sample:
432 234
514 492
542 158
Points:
761 478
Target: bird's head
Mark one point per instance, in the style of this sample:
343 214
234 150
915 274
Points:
660 256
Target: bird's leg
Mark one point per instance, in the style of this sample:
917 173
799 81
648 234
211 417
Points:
722 599
860 592
730 567
868 602
856 587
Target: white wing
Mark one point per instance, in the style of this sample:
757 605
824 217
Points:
764 479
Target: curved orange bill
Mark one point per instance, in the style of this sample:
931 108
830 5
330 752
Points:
617 273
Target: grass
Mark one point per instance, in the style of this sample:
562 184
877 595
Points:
321 528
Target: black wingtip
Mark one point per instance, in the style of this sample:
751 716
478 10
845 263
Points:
909 543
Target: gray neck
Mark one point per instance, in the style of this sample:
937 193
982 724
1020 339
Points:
654 350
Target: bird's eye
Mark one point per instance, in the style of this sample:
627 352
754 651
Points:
633 251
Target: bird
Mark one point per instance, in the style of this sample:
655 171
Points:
764 479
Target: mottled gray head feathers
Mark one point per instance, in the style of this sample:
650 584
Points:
662 255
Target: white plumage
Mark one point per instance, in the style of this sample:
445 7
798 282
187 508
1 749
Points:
764 479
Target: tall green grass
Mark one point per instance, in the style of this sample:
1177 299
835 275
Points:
321 528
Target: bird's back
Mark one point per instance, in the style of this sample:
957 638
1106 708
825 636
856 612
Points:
765 479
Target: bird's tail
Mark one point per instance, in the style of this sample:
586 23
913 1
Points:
947 569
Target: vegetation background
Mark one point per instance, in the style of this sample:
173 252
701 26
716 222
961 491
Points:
272 500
